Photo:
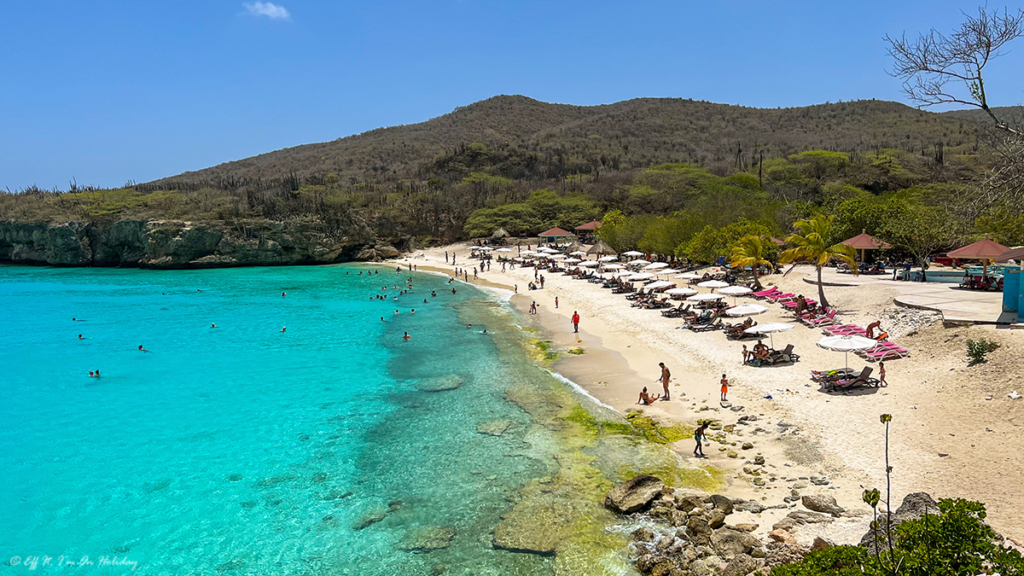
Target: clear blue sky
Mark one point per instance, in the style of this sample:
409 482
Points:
108 91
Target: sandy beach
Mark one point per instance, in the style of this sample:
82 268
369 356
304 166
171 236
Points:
955 432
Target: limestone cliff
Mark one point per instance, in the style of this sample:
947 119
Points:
178 244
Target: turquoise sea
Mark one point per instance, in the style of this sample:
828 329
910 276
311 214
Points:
242 449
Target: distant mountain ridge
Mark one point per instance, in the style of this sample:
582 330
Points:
557 139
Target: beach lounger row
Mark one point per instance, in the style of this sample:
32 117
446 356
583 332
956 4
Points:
884 351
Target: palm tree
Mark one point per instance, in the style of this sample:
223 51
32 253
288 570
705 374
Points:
750 251
815 244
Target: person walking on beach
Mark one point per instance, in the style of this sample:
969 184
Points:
541 281
556 302
698 437
515 288
725 388
445 256
881 374
665 377
575 322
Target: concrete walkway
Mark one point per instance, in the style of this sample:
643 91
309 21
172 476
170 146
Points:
956 305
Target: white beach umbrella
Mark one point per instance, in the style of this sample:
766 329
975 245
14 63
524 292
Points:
632 253
622 274
558 256
588 263
689 276
636 262
681 292
607 258
503 250
655 266
846 344
746 310
640 276
547 249
735 291
573 260
659 284
578 253
666 271
704 297
769 329
613 267
713 284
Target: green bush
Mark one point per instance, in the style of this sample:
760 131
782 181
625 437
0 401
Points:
978 349
954 542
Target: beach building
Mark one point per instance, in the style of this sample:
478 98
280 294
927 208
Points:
586 231
554 235
1013 288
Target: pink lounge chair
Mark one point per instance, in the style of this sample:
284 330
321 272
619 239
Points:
765 293
780 297
824 320
883 352
844 330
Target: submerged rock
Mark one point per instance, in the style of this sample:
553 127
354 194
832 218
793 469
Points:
494 427
634 495
439 384
427 538
370 519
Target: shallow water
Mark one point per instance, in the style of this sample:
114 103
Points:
243 450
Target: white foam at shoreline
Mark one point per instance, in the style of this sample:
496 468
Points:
581 390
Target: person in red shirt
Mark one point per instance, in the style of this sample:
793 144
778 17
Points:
575 322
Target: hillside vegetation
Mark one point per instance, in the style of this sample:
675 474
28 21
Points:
528 139
661 171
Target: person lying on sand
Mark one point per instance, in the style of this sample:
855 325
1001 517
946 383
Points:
646 399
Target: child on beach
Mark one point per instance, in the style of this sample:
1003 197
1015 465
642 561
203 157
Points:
881 374
698 436
746 354
725 387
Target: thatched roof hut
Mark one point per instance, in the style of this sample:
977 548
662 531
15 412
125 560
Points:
601 248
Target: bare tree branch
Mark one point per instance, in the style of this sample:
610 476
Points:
930 63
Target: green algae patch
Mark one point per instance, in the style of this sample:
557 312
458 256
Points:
540 351
576 351
649 428
706 478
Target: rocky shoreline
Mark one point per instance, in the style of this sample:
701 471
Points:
686 533
170 244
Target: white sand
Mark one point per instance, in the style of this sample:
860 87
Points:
938 403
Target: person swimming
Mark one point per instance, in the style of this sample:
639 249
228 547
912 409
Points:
91 375
283 329
396 312
406 336
413 311
283 294
432 293
141 349
80 337
213 325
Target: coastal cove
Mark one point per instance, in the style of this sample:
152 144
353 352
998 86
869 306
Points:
319 450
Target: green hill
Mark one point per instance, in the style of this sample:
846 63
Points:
525 139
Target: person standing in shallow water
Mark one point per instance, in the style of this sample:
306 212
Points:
665 377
